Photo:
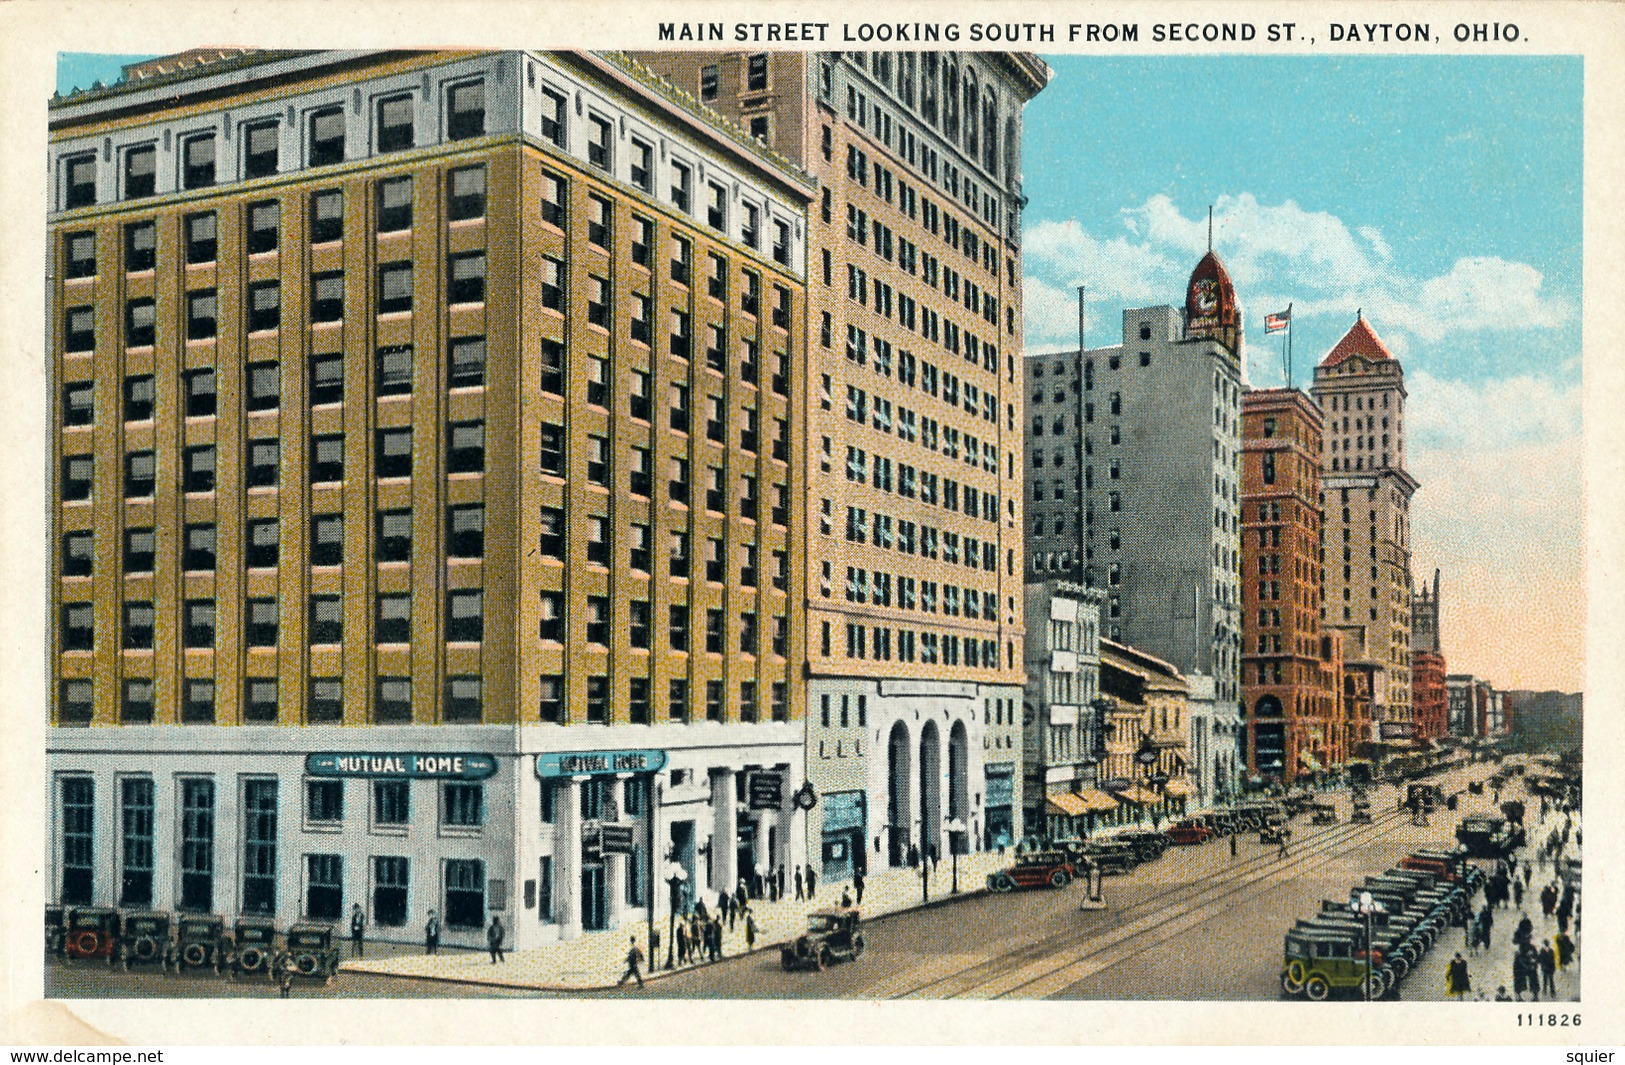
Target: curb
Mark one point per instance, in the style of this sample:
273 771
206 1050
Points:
651 975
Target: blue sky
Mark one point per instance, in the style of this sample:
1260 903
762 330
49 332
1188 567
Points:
1439 195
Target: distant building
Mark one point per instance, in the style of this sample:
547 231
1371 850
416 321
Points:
1146 737
1545 720
1361 388
1063 734
1460 714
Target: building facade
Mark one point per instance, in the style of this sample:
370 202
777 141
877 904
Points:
1360 387
1133 478
1063 717
1147 764
1291 673
1428 702
417 416
914 431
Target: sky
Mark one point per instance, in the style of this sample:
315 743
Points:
1440 196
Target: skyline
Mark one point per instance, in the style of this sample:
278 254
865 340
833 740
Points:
1422 201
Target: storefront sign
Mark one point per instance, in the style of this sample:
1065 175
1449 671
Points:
409 766
845 811
1001 785
766 791
1116 784
598 763
615 839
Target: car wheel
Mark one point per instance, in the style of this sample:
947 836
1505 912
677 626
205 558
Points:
1292 982
825 958
1317 988
1059 879
1002 883
786 960
1375 985
857 945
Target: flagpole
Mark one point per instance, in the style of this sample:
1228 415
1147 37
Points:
1289 344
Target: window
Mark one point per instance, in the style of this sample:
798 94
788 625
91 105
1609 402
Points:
80 180
78 403
394 123
262 622
598 620
199 549
713 631
197 705
551 450
551 628
393 457
598 301
139 548
465 110
326 619
197 845
554 192
466 453
324 800
462 806
327 296
552 700
598 461
395 204
264 226
680 185
394 536
598 143
554 113
264 306
465 890
198 161
389 880
200 393
642 166
756 72
465 537
263 543
78 798
326 701
327 216
394 287
261 141
467 363
392 705
468 278
202 237
136 839
465 616
598 714
140 171
140 317
77 473
324 887
677 700
394 623
326 378
77 702
264 386
79 329
395 370
638 624
750 226
679 554
708 82
643 235
326 136
202 316
716 212
260 699
682 257
467 195
78 627
327 458
713 700
327 540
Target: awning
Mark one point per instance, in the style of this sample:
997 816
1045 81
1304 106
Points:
1067 804
1179 789
1098 801
1137 796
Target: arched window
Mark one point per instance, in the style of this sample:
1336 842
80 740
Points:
990 134
972 94
950 99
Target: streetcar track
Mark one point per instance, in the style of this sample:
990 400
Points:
1195 895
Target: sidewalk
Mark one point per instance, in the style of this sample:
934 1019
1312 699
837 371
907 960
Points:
597 959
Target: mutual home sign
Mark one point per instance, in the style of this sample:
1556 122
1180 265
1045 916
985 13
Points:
597 763
410 766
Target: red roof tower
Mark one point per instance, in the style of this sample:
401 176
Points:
1360 340
1211 309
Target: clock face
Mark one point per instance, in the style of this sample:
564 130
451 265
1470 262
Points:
1207 296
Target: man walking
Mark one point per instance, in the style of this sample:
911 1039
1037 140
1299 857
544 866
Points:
1457 982
1547 958
801 891
1233 836
431 933
750 930
857 884
358 924
780 894
634 958
812 881
1286 834
493 939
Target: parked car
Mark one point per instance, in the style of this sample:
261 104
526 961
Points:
91 932
146 940
832 935
1187 833
1316 963
256 944
1489 837
1147 845
1055 868
197 940
56 935
309 952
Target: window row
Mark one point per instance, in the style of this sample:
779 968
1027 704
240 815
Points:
882 643
640 701
930 488
862 586
639 627
864 527
635 539
324 701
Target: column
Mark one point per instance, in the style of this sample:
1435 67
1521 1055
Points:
724 832
792 838
567 857
763 851
615 869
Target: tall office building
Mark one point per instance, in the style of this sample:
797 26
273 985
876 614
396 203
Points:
1428 699
1155 424
1361 388
914 618
428 498
1291 672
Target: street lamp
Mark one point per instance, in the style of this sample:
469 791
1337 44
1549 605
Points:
955 827
1147 757
675 875
1365 908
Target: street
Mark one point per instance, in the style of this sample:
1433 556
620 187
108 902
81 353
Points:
1194 924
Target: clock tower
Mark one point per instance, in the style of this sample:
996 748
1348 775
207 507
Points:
1211 309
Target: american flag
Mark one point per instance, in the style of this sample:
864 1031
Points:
1278 322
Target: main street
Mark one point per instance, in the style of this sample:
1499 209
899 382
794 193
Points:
1194 924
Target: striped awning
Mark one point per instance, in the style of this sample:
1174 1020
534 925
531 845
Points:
1179 789
1067 804
1098 801
1137 796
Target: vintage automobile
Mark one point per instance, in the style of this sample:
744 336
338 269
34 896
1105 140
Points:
1360 814
146 940
1273 830
92 932
1484 836
1187 833
1147 845
309 951
197 941
1113 855
1055 868
56 936
1320 962
832 935
1449 865
255 942
1323 813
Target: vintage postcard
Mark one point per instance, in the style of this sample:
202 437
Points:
789 509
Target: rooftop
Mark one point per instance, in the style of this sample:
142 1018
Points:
1360 340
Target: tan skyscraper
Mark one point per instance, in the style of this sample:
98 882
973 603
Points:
1367 544
914 581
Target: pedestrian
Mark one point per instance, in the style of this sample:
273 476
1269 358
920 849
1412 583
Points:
1501 994
358 924
634 958
741 893
431 933
780 894
682 942
1517 892
1531 970
493 939
1564 950
1562 919
1519 981
801 891
1547 957
1457 982
913 856
750 931
716 940
1233 836
812 881
857 884
1548 901
699 908
936 856
1525 930
1286 834
846 899
285 980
